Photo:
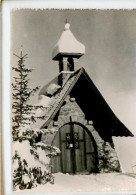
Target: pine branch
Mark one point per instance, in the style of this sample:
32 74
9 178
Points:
17 56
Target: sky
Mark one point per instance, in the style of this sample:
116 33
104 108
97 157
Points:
110 60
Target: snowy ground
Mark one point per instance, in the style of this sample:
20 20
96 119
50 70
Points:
87 183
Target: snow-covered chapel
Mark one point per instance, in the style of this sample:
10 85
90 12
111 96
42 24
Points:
84 123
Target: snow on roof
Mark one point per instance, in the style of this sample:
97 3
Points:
57 99
43 100
53 86
68 45
43 91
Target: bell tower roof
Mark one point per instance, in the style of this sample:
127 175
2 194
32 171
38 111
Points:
68 45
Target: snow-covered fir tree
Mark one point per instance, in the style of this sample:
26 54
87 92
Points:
29 166
22 110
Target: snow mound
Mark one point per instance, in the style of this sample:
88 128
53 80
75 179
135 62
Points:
43 100
108 182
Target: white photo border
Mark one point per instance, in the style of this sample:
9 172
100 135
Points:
7 6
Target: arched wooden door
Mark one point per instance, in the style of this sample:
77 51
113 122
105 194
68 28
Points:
78 150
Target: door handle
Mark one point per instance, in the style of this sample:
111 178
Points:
71 145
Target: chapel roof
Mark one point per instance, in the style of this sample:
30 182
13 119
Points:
89 99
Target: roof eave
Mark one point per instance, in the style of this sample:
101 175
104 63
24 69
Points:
56 57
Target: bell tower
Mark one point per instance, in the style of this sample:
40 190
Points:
67 51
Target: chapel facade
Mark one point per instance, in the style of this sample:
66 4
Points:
83 120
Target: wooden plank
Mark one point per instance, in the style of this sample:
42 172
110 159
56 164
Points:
89 143
55 161
90 153
85 134
66 159
73 154
90 162
66 153
80 154
77 151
